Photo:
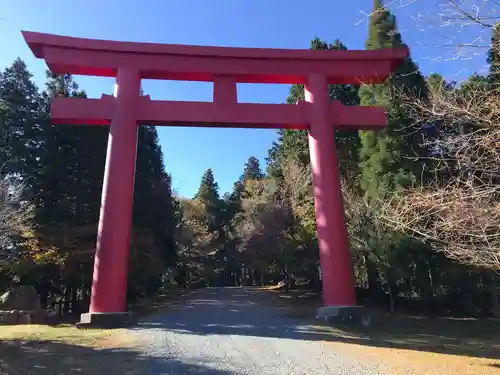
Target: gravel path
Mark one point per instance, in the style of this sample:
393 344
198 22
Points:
233 331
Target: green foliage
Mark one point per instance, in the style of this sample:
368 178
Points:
270 223
294 145
265 226
208 195
252 170
154 209
62 168
71 173
208 191
494 56
21 120
387 157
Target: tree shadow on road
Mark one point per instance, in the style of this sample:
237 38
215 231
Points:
51 357
249 312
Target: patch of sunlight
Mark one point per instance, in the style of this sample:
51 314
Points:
62 333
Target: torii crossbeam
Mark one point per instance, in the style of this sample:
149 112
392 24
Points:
225 67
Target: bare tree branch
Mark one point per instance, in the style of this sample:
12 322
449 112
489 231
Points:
458 27
459 212
15 215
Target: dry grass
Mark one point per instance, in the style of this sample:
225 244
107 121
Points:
43 350
402 344
68 334
63 333
406 344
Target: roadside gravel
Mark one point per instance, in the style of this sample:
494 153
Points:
233 331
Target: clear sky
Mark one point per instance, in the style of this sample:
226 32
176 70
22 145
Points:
188 152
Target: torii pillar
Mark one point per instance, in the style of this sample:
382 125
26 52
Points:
335 257
109 284
225 67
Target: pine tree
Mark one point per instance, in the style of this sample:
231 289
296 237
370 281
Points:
68 192
153 201
21 145
494 56
232 201
21 120
294 144
252 170
389 157
208 192
214 224
72 172
386 157
154 220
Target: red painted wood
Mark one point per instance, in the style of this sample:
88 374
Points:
225 91
78 111
109 284
130 62
201 63
335 257
205 114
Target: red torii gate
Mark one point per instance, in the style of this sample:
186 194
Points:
224 66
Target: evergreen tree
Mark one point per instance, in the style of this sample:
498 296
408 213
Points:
67 195
232 201
494 56
294 144
208 192
153 201
70 186
21 119
387 156
291 144
154 220
252 170
21 145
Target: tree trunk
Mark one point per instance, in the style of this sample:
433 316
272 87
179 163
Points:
491 281
372 276
425 285
74 301
391 292
392 303
66 300
390 282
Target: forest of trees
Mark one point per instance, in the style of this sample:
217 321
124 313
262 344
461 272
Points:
51 190
421 197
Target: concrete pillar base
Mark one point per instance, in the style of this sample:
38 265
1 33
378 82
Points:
105 320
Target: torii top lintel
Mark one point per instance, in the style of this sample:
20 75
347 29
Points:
201 63
225 66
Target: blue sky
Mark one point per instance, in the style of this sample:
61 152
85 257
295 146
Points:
188 152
